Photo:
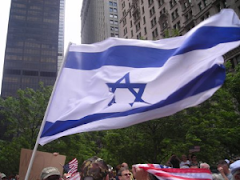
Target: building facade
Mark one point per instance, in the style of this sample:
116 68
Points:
157 19
99 20
34 45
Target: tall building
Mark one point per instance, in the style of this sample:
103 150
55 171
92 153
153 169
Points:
34 44
99 20
157 19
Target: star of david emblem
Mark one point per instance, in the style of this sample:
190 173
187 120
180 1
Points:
136 89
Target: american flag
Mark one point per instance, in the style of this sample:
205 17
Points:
176 173
72 166
75 176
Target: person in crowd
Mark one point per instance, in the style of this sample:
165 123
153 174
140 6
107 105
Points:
185 163
124 174
50 173
124 164
204 166
94 168
235 170
224 171
173 161
193 161
3 176
17 177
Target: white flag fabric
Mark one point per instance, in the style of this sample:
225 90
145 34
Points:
121 82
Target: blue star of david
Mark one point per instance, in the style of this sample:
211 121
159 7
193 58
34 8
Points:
127 85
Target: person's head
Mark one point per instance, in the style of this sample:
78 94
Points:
223 164
235 170
124 165
204 166
94 169
193 157
124 174
50 173
184 157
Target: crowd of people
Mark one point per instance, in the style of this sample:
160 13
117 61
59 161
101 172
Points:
96 168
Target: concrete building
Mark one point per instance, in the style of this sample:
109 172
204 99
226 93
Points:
34 44
99 20
157 19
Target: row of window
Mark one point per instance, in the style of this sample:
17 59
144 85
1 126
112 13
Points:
112 3
29 73
113 9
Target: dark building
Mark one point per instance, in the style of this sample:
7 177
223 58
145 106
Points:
32 49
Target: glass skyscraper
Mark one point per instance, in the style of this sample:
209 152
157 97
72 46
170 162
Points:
34 44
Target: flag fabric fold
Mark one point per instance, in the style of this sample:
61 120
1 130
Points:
117 83
176 173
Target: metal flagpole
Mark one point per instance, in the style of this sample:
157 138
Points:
44 119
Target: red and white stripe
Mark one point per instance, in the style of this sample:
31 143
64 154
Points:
73 165
177 173
75 176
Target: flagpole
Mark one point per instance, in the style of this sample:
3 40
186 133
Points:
44 119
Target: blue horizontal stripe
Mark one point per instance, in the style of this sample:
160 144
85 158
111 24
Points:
145 57
212 78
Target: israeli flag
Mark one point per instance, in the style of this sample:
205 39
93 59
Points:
121 82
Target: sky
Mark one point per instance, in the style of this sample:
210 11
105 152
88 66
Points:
72 26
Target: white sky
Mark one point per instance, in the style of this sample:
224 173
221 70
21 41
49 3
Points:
72 26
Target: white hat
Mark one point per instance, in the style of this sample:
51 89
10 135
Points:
3 175
235 166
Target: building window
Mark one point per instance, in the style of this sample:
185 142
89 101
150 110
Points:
115 4
200 5
115 16
132 33
111 9
155 33
163 11
114 9
110 3
131 23
139 36
150 2
123 4
145 30
175 14
125 31
138 27
124 22
177 26
111 21
160 3
153 22
172 3
124 13
143 10
152 11
144 20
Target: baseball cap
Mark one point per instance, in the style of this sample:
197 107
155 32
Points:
49 171
95 168
235 166
3 175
